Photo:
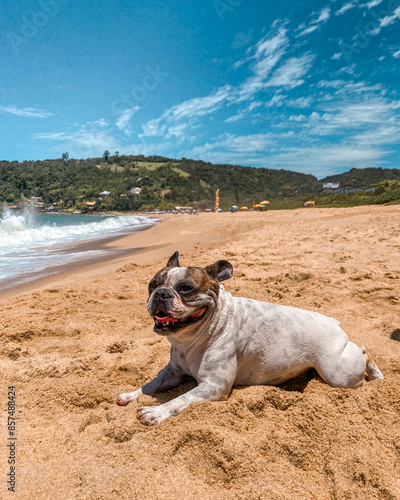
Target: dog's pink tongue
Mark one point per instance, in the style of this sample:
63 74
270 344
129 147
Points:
198 313
165 319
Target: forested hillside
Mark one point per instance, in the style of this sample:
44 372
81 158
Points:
165 182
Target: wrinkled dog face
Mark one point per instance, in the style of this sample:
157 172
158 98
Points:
181 297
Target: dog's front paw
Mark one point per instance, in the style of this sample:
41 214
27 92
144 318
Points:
151 415
127 397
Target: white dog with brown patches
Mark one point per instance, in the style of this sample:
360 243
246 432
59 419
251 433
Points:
222 341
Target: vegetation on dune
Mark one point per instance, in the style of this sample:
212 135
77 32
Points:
165 183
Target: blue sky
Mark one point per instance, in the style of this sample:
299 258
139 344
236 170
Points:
311 86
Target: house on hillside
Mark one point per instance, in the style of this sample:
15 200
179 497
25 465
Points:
136 191
329 187
334 188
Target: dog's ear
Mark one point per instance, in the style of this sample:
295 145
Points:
174 260
220 271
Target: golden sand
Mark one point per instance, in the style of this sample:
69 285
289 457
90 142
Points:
71 343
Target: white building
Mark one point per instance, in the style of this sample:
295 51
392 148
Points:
330 185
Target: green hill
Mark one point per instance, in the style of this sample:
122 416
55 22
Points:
166 182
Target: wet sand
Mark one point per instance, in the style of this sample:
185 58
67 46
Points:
72 343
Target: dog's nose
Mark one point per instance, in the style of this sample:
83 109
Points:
162 294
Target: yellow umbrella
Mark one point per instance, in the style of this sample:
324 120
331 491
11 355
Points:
258 206
243 208
264 202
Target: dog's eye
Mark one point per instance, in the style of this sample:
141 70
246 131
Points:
152 287
185 289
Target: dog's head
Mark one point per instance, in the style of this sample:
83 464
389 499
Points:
180 297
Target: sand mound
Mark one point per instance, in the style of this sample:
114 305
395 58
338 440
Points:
72 348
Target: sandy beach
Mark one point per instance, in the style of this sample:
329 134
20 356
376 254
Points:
72 342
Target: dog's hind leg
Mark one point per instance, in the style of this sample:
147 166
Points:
343 365
373 372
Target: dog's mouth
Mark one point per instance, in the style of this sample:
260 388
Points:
167 323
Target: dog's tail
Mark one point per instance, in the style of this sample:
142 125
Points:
373 372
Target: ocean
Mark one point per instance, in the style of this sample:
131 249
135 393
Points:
34 245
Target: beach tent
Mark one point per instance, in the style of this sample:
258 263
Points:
309 204
243 208
265 202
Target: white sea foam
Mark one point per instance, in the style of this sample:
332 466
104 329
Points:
26 229
30 242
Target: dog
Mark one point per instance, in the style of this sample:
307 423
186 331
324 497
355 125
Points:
224 341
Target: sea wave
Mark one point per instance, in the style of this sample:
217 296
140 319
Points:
26 230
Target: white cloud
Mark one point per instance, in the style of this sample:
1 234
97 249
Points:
153 128
264 56
355 130
291 72
315 24
235 118
309 30
90 139
386 21
267 53
276 101
300 102
373 3
261 150
50 136
390 19
177 131
322 160
297 118
343 118
378 136
200 106
245 113
345 8
324 15
25 112
242 39
123 120
246 144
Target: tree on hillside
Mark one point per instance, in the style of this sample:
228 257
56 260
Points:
65 156
106 155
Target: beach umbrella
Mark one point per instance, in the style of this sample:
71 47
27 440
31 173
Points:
243 208
234 207
265 202
220 210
